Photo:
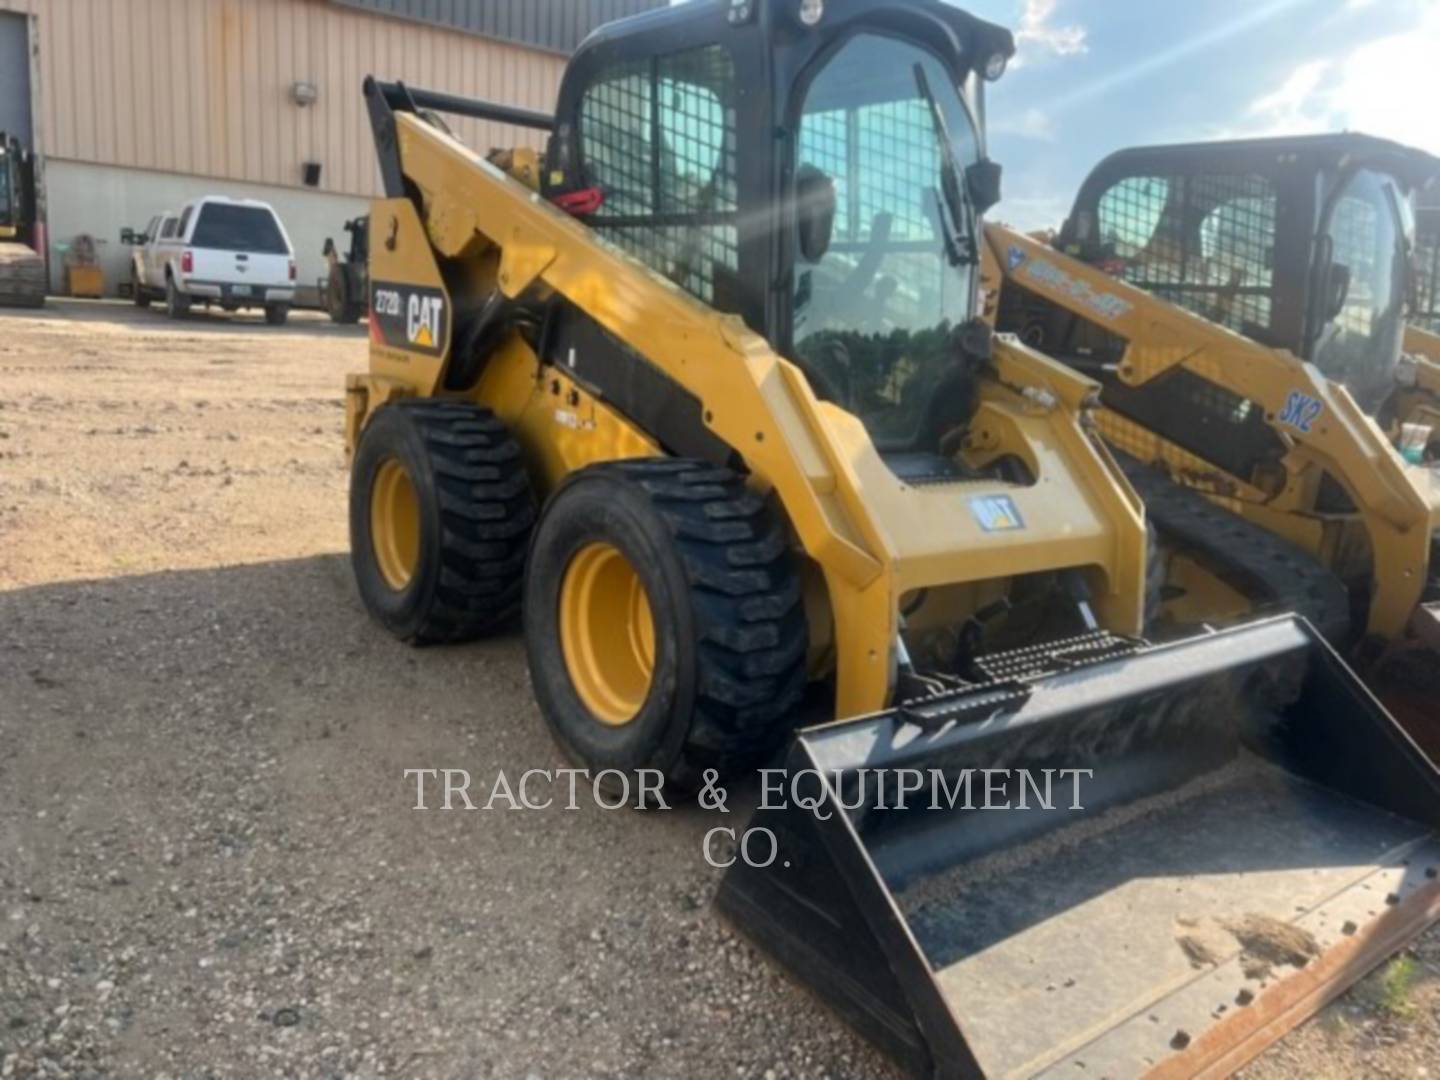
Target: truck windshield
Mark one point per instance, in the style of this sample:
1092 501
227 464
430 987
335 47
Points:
872 316
1364 291
239 228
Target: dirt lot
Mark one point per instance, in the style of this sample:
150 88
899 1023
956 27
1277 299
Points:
208 864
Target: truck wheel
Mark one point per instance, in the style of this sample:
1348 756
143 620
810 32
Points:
340 309
345 314
440 517
177 304
276 314
141 297
663 620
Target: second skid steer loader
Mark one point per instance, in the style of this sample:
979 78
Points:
700 395
1243 304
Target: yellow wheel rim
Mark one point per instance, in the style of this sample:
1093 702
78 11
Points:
395 524
607 633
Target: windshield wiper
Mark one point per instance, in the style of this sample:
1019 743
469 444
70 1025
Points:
957 218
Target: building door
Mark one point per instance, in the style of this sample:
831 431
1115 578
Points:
15 77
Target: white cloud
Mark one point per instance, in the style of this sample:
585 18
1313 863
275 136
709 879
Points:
1296 97
1030 124
1392 86
1388 86
1037 33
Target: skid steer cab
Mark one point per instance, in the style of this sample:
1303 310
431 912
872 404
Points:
698 396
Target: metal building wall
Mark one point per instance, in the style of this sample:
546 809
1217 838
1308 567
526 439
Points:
202 87
553 25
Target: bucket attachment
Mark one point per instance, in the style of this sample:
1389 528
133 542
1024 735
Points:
1256 833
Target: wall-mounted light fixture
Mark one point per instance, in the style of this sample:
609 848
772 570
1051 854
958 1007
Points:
304 93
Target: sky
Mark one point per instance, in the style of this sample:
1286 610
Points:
1092 76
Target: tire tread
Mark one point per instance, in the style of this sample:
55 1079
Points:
486 513
746 598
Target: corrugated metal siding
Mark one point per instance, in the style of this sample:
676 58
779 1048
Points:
553 25
203 86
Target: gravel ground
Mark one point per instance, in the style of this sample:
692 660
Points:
208 861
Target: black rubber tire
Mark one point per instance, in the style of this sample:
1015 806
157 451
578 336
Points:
346 314
338 307
276 314
140 297
725 596
177 304
476 513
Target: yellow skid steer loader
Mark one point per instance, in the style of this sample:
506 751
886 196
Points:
700 395
1243 305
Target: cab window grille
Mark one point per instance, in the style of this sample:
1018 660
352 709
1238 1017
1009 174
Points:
658 137
617 120
824 143
880 157
1355 230
1427 267
1204 242
898 139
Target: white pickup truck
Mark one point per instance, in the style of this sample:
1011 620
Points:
231 252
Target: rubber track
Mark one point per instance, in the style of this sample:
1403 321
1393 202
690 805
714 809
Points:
1276 575
486 514
746 597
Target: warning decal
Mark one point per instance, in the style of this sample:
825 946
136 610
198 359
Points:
409 317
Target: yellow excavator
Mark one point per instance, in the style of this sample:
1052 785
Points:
22 270
1243 305
700 396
